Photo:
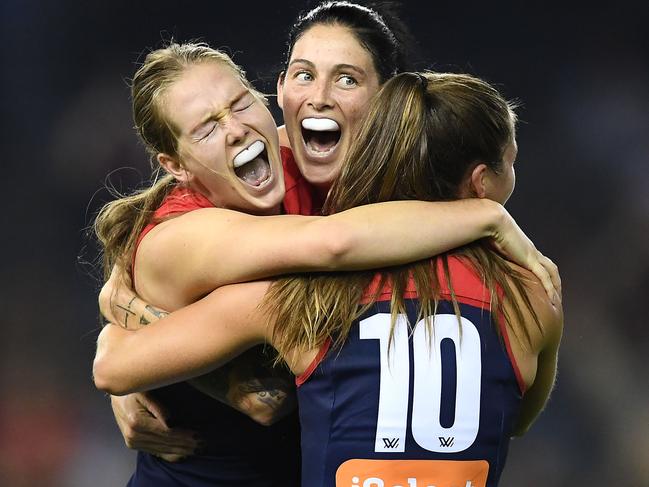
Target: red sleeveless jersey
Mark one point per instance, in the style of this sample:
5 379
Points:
237 450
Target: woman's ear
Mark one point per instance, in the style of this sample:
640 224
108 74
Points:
478 182
172 166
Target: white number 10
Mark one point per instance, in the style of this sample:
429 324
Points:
427 386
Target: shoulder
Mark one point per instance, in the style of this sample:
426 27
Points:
550 314
173 241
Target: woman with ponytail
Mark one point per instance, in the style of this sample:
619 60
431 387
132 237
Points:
219 149
415 374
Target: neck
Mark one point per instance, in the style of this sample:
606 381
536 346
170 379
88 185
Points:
319 196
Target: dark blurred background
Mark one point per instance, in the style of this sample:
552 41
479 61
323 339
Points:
582 196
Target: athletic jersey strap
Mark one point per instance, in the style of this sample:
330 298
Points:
180 200
299 193
324 348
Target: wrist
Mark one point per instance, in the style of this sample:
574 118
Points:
497 218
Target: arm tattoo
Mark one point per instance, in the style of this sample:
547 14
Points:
134 307
127 312
158 313
272 391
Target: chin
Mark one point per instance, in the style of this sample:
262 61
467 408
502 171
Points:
320 175
269 205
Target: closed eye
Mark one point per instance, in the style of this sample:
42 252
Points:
243 104
208 131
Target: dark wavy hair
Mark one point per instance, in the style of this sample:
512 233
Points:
377 28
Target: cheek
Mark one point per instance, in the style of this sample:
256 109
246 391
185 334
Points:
292 99
261 120
354 108
211 154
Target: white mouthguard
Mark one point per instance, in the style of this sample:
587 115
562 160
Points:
320 124
249 153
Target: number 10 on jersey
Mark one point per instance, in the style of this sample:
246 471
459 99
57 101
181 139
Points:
427 375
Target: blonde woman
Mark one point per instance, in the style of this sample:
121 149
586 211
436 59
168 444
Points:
193 231
415 374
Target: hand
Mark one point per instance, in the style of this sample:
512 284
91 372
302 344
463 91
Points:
512 242
115 292
143 425
120 305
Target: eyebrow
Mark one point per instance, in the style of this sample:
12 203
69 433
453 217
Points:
337 67
217 115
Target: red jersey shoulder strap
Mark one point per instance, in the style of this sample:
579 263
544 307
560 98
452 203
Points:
180 200
299 193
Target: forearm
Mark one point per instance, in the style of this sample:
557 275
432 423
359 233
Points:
365 237
396 233
534 402
229 247
252 386
188 343
536 398
132 313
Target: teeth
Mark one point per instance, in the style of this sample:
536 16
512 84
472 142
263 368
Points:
249 153
320 124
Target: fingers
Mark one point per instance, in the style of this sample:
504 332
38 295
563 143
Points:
554 274
150 436
178 444
156 409
138 417
172 458
168 453
548 274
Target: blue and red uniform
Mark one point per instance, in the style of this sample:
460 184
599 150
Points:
418 409
238 451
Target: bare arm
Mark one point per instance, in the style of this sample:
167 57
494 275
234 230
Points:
537 396
251 385
202 336
248 383
189 256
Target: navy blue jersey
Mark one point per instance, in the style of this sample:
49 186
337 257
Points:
426 408
238 452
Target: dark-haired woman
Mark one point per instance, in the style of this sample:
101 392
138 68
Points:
338 55
413 375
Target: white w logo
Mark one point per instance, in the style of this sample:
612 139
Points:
446 442
391 442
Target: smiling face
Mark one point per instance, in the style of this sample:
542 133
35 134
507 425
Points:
228 148
325 91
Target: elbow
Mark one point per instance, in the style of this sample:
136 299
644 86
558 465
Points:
101 379
264 418
105 380
268 417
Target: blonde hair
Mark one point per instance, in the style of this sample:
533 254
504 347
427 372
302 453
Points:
120 222
421 136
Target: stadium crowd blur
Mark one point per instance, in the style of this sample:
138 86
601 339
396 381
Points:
582 196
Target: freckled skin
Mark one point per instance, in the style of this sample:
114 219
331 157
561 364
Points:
217 118
330 74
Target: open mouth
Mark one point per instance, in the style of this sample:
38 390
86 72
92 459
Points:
251 165
321 135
